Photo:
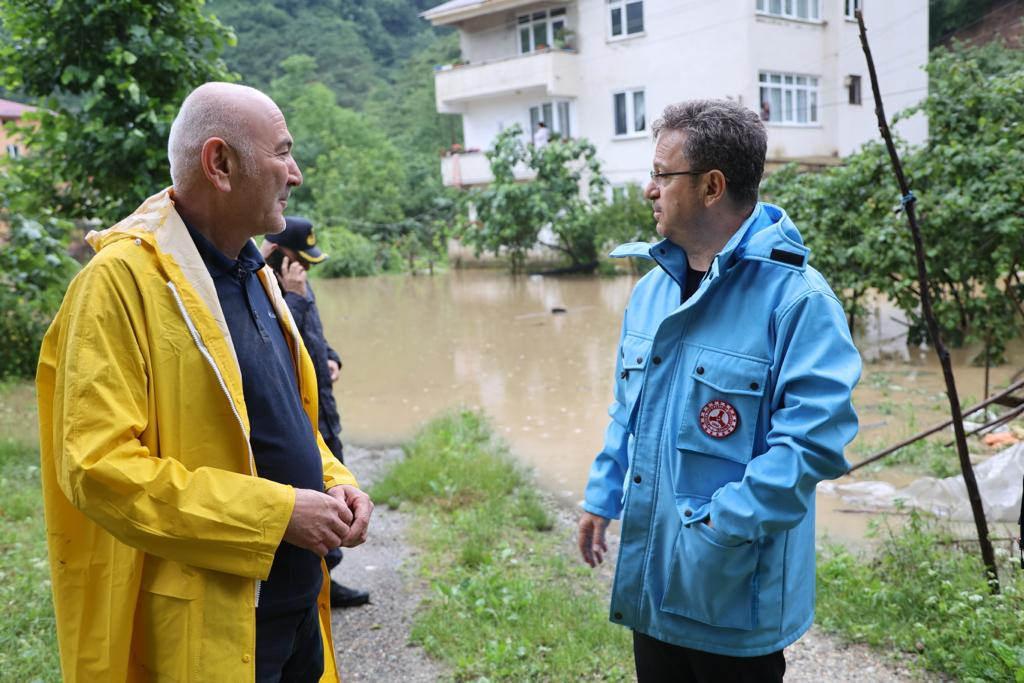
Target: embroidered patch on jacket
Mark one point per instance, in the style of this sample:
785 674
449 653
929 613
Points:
718 419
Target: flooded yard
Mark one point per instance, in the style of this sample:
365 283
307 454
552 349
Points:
414 347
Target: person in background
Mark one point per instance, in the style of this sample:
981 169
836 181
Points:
189 497
733 386
291 253
542 135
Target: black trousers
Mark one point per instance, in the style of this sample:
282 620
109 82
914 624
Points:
659 662
289 648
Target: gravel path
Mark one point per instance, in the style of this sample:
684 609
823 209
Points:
373 641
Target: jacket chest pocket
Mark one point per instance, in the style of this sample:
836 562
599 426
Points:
635 352
721 412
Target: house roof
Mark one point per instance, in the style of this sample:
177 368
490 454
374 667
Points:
10 110
455 11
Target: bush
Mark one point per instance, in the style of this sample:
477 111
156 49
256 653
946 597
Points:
34 273
350 255
923 595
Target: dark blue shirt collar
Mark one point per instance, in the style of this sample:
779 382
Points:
249 259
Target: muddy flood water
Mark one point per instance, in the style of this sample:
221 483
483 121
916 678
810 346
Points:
414 347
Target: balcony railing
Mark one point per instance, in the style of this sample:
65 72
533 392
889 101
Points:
465 169
550 73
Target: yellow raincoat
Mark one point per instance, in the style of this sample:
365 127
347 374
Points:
159 530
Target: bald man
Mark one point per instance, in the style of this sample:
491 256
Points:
189 497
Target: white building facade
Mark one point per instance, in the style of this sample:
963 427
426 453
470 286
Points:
605 69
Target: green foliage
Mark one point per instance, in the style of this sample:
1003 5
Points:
34 272
509 215
350 255
626 217
512 213
452 463
269 32
563 168
109 78
503 588
28 639
968 185
352 173
405 109
354 41
925 596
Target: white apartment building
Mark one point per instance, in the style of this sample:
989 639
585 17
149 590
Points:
605 69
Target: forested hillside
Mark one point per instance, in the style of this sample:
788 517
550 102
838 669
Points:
355 80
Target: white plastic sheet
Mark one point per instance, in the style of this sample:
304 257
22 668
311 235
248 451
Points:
999 482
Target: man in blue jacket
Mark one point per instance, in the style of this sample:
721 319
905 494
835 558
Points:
732 401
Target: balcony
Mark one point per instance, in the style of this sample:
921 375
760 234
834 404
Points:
547 73
465 169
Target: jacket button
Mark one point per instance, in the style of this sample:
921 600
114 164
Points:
618 615
624 374
246 658
639 359
700 369
656 360
637 479
754 385
688 512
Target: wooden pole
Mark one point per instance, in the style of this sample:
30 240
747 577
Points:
973 495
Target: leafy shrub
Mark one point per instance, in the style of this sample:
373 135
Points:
922 594
350 255
34 272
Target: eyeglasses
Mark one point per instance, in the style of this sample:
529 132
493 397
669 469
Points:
662 179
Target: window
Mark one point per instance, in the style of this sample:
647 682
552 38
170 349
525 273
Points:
851 7
853 86
789 99
555 116
13 151
627 17
630 113
809 10
540 29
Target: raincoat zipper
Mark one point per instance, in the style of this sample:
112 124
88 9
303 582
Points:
220 379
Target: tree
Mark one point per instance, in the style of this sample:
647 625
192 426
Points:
569 186
353 176
510 214
270 32
968 184
405 109
109 78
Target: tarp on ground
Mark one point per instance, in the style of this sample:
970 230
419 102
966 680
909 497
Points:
999 481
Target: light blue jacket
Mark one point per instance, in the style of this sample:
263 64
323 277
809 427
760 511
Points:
731 406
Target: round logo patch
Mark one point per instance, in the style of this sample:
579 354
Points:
718 419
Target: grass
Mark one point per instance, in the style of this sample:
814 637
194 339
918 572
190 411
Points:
925 596
507 600
28 641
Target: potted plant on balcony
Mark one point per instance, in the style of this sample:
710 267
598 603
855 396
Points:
565 39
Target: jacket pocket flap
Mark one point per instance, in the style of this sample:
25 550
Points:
635 350
730 374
